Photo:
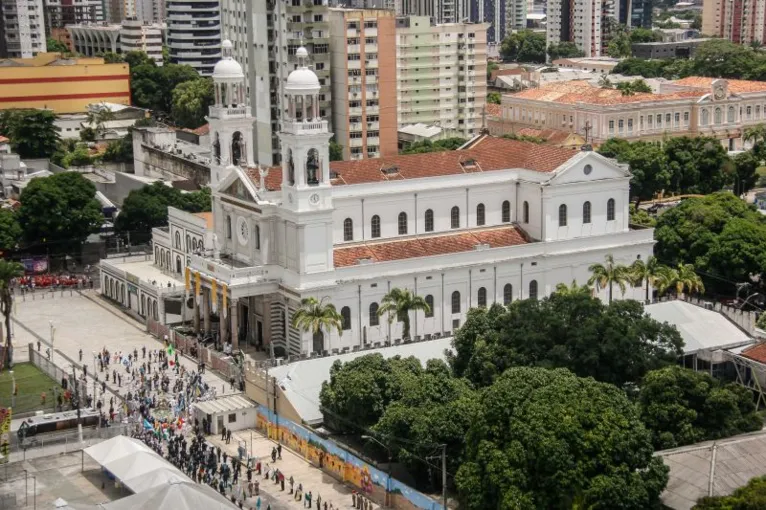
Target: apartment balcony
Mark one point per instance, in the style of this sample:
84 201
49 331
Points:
355 142
352 32
373 110
374 140
371 64
354 110
353 48
354 64
373 125
370 48
373 155
370 32
370 80
355 126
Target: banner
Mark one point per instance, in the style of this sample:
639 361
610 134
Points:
35 266
224 290
197 285
5 434
187 279
214 295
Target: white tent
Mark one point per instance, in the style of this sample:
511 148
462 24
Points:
176 496
115 448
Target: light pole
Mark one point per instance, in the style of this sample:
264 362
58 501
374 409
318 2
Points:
53 329
13 389
388 483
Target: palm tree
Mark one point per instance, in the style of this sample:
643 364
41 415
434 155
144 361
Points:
604 82
688 280
8 271
398 303
666 279
755 134
98 116
563 289
649 272
607 274
317 317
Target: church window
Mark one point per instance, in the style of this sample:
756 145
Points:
718 116
533 289
526 212
345 314
375 226
312 168
257 237
430 303
480 215
228 227
456 302
482 298
610 210
506 211
374 319
290 168
178 240
455 217
237 148
730 115
402 222
429 220
507 294
562 215
586 212
705 117
348 229
217 149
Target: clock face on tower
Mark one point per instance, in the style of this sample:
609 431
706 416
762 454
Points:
243 231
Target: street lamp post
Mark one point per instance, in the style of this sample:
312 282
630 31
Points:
388 483
13 389
52 329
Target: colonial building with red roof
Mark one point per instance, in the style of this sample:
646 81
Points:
692 106
495 221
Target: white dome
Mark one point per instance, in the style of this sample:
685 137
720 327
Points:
302 80
228 68
301 52
226 44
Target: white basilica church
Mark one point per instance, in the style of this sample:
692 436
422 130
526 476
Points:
494 221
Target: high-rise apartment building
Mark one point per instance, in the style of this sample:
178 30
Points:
739 21
441 74
60 13
577 21
136 35
194 33
266 35
92 39
22 28
150 11
363 71
442 11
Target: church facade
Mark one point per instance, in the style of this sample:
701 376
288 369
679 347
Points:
492 222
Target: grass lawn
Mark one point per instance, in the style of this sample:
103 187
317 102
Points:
31 382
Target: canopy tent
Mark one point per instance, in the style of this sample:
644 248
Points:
178 495
115 448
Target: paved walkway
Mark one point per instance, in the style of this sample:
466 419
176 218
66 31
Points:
291 464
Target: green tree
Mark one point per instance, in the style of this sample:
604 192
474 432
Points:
616 343
112 58
138 58
494 98
643 67
536 437
146 208
619 45
8 271
745 171
646 272
641 217
56 46
524 46
398 303
10 230
755 134
563 289
191 100
33 133
564 49
750 497
724 59
680 407
739 251
317 317
60 210
697 164
448 144
630 88
608 274
88 134
336 151
119 151
644 35
491 66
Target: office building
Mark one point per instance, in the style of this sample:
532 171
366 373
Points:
577 21
363 71
136 35
194 33
22 28
60 13
62 85
92 39
740 21
441 74
266 36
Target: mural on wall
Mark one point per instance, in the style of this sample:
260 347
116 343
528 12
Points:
341 464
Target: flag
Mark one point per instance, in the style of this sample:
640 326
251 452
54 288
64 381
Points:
214 294
187 278
197 285
224 290
170 350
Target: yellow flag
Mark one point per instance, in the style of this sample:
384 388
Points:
224 290
214 294
187 278
197 285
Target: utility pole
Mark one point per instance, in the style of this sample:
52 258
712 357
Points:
444 476
77 400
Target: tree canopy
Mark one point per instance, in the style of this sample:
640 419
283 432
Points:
616 343
448 144
191 100
33 133
524 46
564 49
10 230
750 497
683 407
147 207
535 440
60 210
56 46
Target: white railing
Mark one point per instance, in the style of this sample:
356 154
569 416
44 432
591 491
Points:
223 112
305 127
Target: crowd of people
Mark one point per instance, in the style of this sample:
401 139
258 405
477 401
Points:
48 281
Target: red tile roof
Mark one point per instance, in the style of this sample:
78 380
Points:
485 153
424 246
581 91
757 353
494 110
202 130
3 139
735 86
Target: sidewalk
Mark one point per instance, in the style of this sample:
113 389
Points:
291 464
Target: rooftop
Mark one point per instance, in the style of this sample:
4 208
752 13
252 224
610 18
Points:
424 246
208 217
756 353
735 86
712 468
421 129
700 329
225 404
580 91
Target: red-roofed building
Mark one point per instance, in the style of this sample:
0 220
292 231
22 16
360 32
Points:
692 106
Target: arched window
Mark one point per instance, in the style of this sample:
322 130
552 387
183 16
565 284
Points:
526 211
705 117
480 216
237 148
402 222
730 115
157 255
312 168
586 212
217 149
482 297
718 116
375 226
507 294
348 229
374 319
455 217
257 237
345 315
178 264
562 215
201 244
610 210
194 245
290 167
228 227
188 242
178 240
429 220
456 302
506 212
156 311
533 289
167 259
430 303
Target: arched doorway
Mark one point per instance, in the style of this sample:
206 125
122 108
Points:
237 145
318 342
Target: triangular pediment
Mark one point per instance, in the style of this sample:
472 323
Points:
589 166
237 185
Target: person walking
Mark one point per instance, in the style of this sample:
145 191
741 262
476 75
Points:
80 355
292 482
223 434
279 451
228 436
